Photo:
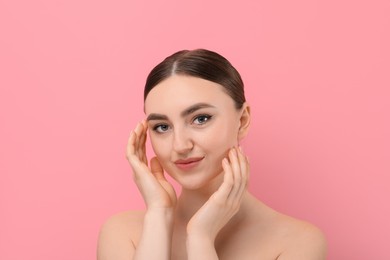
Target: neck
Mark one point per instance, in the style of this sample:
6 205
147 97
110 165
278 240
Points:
191 200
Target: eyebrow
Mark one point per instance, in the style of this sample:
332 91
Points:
186 112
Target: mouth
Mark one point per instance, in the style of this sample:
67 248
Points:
188 163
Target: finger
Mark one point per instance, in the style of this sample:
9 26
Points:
130 145
140 170
244 171
137 132
242 163
226 187
142 142
157 169
131 155
235 165
133 159
140 132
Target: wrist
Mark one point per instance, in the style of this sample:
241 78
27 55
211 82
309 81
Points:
165 214
196 240
200 247
156 234
196 233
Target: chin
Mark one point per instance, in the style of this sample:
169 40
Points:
197 182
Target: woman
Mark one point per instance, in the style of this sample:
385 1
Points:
196 115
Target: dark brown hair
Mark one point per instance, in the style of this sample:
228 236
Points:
203 64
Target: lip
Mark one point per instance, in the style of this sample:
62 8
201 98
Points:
189 163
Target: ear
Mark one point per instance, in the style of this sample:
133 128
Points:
245 120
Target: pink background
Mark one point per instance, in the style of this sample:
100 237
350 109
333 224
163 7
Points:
72 75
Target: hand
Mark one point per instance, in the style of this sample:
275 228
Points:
155 189
225 202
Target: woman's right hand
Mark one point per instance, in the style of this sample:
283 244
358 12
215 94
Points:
155 189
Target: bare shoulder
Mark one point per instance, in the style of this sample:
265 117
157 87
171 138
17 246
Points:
301 240
269 234
124 224
119 235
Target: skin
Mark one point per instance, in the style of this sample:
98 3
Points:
215 217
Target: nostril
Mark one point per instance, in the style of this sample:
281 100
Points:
182 145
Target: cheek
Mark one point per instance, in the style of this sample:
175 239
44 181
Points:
160 147
221 137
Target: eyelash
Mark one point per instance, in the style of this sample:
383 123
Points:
205 117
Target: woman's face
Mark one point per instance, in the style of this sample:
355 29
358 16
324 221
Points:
192 124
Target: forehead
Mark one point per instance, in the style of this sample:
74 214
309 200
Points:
178 92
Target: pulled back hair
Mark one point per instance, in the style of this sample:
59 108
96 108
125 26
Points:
203 64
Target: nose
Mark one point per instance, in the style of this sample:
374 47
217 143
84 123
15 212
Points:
182 142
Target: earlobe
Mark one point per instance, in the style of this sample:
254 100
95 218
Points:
245 120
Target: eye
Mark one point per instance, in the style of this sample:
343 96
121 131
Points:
202 119
161 128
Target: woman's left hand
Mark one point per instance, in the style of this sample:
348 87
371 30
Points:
225 202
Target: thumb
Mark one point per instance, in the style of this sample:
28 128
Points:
157 169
